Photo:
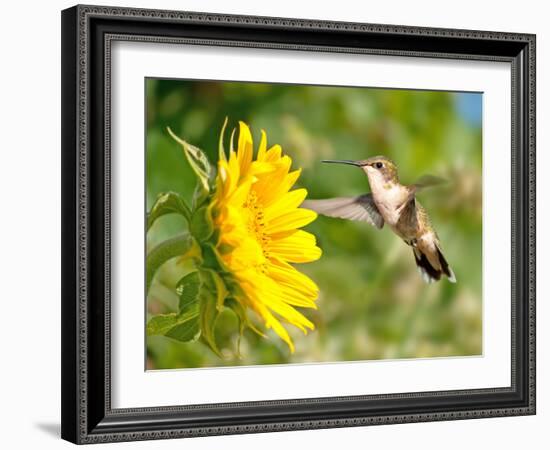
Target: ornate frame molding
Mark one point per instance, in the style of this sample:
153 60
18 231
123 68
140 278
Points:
88 31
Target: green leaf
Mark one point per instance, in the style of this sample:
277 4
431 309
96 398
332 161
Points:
212 297
221 291
210 258
200 196
182 327
208 317
167 203
161 324
182 245
197 160
186 331
243 320
202 225
188 291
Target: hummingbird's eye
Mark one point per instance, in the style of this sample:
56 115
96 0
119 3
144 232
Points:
379 165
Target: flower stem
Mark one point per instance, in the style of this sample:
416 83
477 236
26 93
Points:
177 246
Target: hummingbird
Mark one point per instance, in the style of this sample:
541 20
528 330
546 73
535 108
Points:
395 204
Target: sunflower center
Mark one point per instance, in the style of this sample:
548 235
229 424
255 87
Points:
256 221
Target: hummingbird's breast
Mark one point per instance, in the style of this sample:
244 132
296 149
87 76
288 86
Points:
390 201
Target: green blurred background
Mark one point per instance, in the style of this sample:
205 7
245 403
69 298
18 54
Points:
373 303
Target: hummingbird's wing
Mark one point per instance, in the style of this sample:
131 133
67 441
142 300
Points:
426 181
352 208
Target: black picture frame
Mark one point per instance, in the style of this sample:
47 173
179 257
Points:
87 33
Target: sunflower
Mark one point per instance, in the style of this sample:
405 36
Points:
258 219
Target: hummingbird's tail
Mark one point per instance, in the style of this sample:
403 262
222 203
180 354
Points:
429 273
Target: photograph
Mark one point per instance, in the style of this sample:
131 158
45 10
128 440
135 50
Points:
300 224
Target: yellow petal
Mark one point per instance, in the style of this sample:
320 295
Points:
261 168
239 195
299 247
221 179
274 153
248 253
272 322
269 185
286 292
267 293
289 201
283 272
244 149
234 170
288 313
296 298
278 187
294 219
262 148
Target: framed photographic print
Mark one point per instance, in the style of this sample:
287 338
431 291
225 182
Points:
281 224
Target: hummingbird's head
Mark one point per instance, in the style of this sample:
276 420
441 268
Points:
379 169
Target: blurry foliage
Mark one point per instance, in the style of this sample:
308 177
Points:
373 303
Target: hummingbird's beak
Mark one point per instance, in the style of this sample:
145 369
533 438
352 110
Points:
342 161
